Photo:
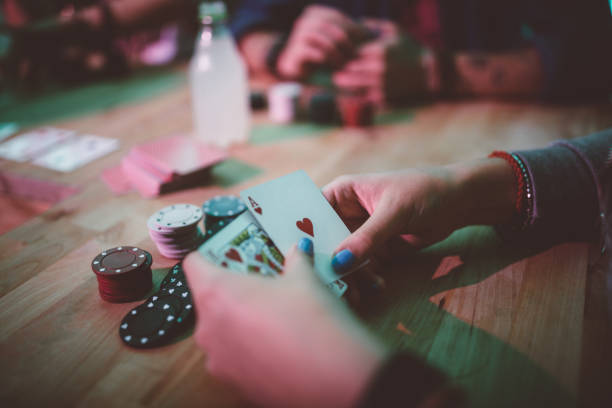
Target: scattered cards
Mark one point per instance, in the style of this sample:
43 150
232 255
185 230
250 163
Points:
57 149
29 145
76 152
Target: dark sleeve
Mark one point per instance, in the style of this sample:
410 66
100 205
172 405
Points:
569 186
406 381
273 15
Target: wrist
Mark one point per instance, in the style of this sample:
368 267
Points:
485 191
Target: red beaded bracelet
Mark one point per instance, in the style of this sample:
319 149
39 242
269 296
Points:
524 190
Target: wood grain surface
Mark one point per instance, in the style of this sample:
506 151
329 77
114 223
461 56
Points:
513 326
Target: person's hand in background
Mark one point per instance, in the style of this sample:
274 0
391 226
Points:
423 206
283 342
385 69
321 36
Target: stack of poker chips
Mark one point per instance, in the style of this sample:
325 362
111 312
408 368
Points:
322 108
283 102
356 110
163 316
124 273
220 211
174 229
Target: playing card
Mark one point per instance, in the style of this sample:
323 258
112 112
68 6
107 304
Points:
292 207
244 247
29 145
76 152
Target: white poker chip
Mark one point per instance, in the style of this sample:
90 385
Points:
174 229
175 217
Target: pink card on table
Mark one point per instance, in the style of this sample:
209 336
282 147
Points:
178 155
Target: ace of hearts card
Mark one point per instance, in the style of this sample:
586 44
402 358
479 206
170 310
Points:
292 207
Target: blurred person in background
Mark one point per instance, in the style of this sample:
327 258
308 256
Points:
394 50
72 41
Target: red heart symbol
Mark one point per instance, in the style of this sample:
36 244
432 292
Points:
258 210
306 226
233 254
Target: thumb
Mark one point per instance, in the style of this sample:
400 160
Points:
299 261
373 233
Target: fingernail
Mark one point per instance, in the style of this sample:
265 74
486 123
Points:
305 245
343 260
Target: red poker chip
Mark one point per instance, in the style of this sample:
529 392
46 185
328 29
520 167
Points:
120 260
123 273
356 111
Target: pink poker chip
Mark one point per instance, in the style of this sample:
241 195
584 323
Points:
174 230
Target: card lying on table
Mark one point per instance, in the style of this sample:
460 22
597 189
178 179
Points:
292 207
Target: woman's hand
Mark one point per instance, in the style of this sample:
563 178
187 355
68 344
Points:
284 342
422 205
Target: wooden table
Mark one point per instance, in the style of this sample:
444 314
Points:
514 327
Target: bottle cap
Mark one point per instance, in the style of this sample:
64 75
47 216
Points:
212 12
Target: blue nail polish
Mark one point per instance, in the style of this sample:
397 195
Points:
343 261
305 245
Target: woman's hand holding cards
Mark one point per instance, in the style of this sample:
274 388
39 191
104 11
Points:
284 341
423 206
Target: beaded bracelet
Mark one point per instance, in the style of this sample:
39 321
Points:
524 188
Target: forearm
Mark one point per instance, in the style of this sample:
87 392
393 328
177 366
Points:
510 74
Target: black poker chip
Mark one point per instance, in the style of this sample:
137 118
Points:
322 108
221 207
258 100
163 317
152 323
213 228
173 275
180 291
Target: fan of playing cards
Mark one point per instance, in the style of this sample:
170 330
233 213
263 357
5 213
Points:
281 212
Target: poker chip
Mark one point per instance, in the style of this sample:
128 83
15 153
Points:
174 218
356 111
283 102
174 229
151 323
163 316
222 208
322 108
257 100
123 273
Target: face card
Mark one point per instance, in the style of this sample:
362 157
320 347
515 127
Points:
244 247
29 145
292 207
76 152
